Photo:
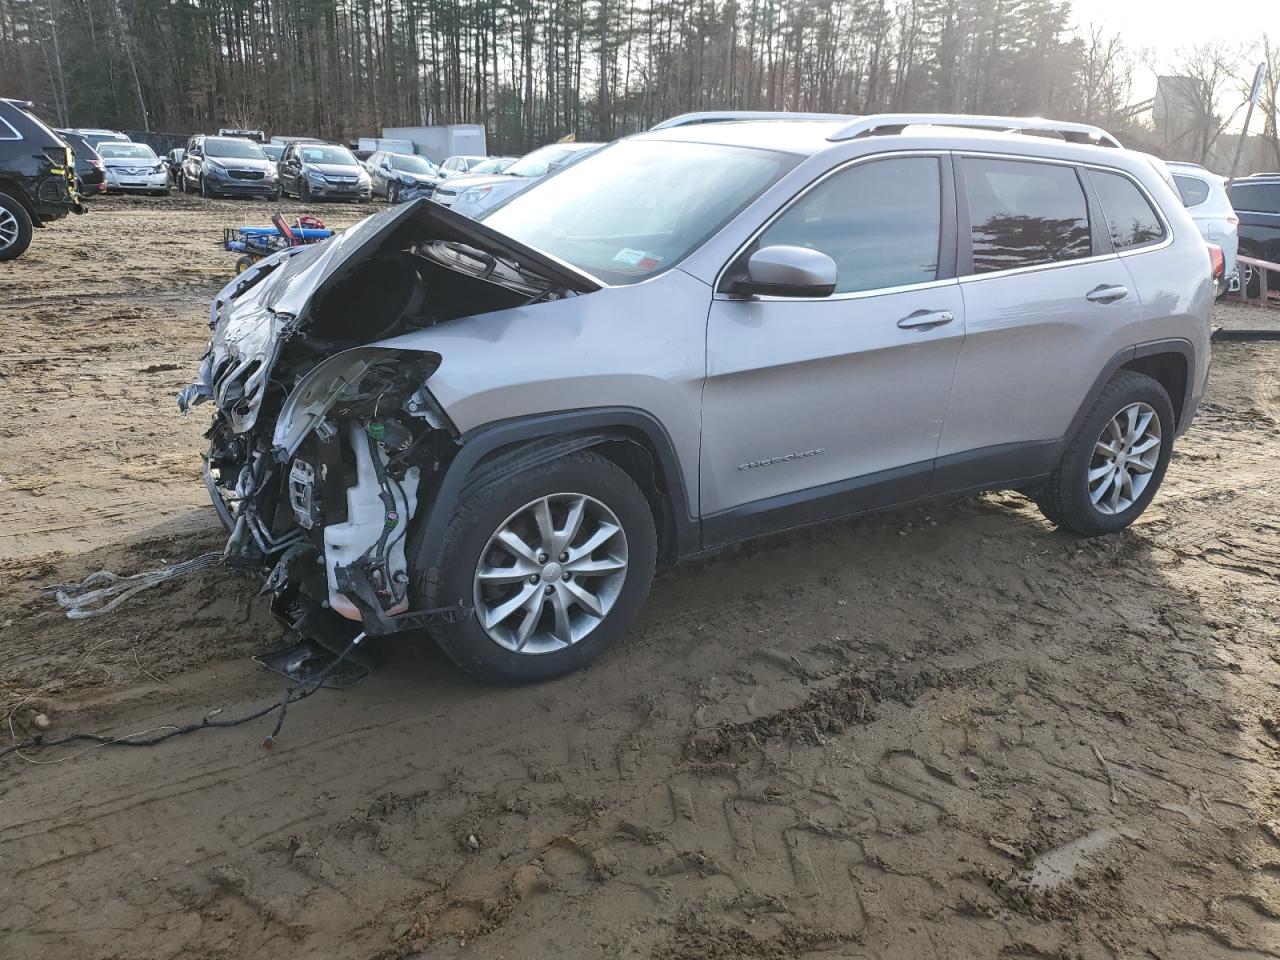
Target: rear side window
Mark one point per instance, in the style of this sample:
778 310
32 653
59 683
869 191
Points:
1192 190
1023 214
1256 197
1130 219
881 222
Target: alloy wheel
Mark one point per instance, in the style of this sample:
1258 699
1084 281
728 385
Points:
1124 458
8 229
550 574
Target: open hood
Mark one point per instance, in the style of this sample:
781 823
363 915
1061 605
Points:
259 311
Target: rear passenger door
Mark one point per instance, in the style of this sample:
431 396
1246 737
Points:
1047 304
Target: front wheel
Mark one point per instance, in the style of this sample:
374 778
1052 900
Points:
393 193
556 561
1116 461
304 191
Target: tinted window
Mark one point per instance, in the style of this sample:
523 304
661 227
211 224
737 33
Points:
879 221
1257 197
1130 218
1023 214
1192 191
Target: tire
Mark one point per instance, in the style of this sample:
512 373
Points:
243 264
204 189
1250 280
393 193
304 191
1071 500
15 228
446 572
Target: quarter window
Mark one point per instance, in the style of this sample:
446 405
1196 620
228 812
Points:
1192 190
1130 219
879 221
1023 214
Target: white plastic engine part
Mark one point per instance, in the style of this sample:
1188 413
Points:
366 517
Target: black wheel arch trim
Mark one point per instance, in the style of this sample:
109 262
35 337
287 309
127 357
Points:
568 431
1148 349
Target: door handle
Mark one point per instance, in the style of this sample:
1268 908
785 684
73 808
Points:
925 319
1106 294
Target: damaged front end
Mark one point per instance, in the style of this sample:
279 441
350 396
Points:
327 447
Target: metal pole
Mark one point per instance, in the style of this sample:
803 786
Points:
1248 115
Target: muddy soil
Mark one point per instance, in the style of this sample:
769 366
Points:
949 733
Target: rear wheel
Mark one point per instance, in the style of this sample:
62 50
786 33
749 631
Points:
556 562
1116 461
15 228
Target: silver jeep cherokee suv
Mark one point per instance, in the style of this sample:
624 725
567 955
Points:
716 329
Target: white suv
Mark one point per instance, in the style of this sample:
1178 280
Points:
1204 194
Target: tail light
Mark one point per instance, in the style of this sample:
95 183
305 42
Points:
1218 260
1233 220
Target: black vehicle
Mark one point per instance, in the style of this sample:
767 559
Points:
1256 200
173 163
314 171
37 177
399 176
91 174
228 167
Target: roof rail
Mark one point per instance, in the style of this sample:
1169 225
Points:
726 116
888 123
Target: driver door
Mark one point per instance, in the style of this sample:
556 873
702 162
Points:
817 407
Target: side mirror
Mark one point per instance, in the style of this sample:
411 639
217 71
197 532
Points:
787 271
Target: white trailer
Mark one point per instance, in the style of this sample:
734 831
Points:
374 144
441 142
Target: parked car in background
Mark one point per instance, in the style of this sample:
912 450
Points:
459 166
94 136
313 171
1256 200
173 164
37 177
274 151
133 168
91 173
688 338
228 167
472 195
398 176
1204 194
257 136
492 165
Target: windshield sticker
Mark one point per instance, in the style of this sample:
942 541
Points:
637 258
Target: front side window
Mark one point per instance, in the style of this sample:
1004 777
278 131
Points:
1023 214
1192 190
637 208
1130 219
880 221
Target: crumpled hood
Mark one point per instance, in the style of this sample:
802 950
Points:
255 314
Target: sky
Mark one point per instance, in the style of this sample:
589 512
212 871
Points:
1165 26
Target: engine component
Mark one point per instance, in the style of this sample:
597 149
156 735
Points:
376 527
302 494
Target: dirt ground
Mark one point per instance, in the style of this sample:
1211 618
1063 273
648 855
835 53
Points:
952 733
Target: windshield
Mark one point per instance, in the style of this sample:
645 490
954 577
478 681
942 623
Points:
322 153
273 152
236 149
132 151
408 164
639 207
536 164
492 165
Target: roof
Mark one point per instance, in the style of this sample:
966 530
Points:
808 134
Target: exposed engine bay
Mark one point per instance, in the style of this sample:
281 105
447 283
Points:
326 443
